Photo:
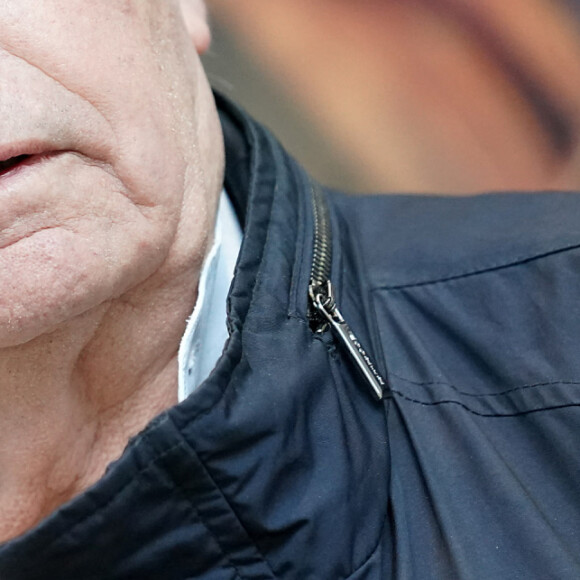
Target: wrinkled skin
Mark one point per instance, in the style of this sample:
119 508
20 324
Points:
99 84
102 231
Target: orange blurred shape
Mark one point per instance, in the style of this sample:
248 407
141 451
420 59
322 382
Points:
429 95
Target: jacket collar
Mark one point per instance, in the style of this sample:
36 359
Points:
157 512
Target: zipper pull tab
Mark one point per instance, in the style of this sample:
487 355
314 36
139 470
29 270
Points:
323 300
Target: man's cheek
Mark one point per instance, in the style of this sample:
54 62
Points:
78 242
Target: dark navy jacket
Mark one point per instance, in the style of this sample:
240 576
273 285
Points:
283 466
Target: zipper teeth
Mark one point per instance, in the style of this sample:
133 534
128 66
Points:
322 252
322 310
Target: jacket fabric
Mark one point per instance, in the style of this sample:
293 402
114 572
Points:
282 465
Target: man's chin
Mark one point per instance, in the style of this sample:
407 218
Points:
25 318
35 327
53 277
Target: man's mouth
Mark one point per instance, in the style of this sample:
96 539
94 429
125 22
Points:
9 164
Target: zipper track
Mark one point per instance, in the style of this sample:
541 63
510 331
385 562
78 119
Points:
322 253
323 311
321 257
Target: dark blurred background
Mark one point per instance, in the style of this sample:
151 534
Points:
454 96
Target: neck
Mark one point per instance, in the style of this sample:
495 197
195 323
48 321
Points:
71 400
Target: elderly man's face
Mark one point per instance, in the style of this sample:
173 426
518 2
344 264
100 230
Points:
100 95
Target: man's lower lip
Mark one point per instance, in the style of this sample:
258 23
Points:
15 188
14 165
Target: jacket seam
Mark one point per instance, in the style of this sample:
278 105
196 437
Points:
116 496
491 268
250 540
124 489
300 257
258 281
478 414
211 533
483 395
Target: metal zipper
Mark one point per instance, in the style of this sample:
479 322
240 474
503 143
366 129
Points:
323 309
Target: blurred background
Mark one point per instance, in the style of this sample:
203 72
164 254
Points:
437 96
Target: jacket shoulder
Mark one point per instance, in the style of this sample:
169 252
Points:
414 239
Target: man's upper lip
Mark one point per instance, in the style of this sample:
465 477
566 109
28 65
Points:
10 151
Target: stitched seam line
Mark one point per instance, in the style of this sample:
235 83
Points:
250 540
469 273
132 482
300 256
482 395
207 410
490 415
209 530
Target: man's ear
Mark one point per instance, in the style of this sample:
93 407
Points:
195 17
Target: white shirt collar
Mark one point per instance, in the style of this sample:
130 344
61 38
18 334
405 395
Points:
206 331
